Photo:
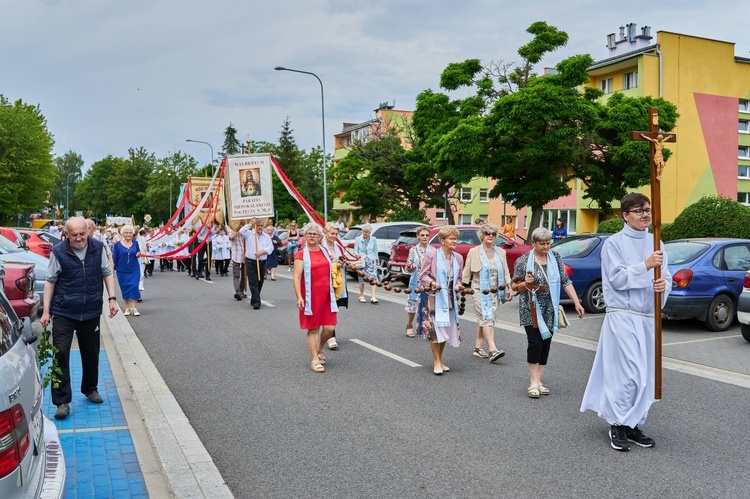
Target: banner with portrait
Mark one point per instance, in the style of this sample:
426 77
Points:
248 185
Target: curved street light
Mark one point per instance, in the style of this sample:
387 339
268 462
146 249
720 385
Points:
323 116
212 151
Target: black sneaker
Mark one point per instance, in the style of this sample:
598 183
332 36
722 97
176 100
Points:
636 436
618 438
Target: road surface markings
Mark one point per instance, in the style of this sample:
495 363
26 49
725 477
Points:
734 336
386 353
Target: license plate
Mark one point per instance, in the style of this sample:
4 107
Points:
36 428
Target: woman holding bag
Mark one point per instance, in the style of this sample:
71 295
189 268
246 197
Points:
487 269
440 276
539 276
417 302
316 298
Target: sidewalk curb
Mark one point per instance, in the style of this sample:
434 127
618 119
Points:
182 466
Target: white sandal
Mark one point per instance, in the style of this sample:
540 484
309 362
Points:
127 311
362 299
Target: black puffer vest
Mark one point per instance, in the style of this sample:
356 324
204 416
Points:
78 290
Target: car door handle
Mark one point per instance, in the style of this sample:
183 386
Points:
731 279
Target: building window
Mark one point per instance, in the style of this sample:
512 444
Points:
465 220
464 195
630 80
744 126
484 195
743 152
744 106
361 135
744 198
606 85
743 171
439 215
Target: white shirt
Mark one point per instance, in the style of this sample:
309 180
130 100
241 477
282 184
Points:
264 243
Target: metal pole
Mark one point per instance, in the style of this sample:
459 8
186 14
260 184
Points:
67 194
169 211
323 117
212 151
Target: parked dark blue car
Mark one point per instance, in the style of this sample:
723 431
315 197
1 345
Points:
707 277
581 254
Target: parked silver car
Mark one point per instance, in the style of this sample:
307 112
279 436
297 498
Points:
386 234
31 458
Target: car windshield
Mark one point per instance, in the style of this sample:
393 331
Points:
49 238
6 246
576 248
407 238
682 252
352 233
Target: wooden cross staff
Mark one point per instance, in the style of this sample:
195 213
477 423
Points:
657 140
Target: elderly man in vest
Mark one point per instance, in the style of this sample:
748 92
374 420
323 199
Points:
73 297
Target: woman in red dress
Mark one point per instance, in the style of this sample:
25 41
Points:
316 299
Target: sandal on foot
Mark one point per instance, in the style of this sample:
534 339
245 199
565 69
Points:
533 392
321 357
374 301
410 332
543 390
496 354
127 311
317 367
362 299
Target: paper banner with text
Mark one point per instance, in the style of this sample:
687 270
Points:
248 184
198 187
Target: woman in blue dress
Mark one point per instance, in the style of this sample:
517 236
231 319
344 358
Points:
125 255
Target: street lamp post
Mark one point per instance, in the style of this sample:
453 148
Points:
212 151
67 193
323 117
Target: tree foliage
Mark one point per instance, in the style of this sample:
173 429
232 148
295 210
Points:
231 144
711 216
69 167
27 172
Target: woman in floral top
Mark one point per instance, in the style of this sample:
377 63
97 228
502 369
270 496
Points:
533 269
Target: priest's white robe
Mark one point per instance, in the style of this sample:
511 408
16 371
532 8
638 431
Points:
621 385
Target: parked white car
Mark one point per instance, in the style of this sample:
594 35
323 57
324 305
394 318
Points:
31 459
386 234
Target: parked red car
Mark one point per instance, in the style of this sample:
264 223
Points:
38 241
467 239
18 280
12 235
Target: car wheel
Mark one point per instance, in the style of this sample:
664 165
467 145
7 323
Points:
745 331
383 271
720 314
593 298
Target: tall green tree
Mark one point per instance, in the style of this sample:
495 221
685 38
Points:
380 174
231 144
92 190
68 167
163 190
27 172
130 182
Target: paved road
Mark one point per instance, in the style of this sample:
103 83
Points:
373 426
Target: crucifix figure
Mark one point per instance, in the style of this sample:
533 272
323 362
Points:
656 155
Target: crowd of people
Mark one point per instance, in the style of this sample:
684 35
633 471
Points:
621 385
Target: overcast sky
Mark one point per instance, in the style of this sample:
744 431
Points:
110 75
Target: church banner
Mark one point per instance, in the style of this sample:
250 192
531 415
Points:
199 187
249 188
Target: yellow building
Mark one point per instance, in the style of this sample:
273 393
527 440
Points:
710 86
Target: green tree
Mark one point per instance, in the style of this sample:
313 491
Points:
620 164
126 194
68 167
380 176
92 190
231 144
27 172
163 189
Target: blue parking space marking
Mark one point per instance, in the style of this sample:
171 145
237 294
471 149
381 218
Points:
100 457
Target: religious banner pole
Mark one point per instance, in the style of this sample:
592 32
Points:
656 160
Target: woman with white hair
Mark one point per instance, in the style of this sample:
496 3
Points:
316 298
366 246
125 255
538 306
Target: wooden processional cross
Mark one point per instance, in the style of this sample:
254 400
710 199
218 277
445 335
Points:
657 140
